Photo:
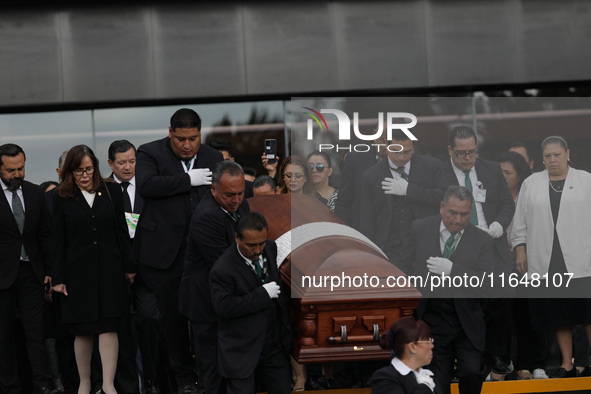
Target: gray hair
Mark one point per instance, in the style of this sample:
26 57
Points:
460 192
555 139
223 167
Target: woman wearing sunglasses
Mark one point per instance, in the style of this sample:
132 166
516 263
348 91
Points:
410 348
321 170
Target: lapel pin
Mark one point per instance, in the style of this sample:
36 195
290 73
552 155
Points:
100 194
571 187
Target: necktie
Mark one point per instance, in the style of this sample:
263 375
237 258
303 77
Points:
402 173
258 269
188 164
126 198
234 216
19 215
474 215
449 247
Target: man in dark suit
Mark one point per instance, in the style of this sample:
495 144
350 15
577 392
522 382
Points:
210 234
143 328
173 176
348 204
492 212
448 244
254 331
25 242
401 188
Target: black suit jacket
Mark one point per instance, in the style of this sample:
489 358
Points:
241 304
210 234
388 380
424 194
36 236
348 205
499 205
91 249
169 201
473 256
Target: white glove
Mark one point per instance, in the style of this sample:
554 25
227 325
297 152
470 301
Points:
439 265
273 289
395 186
495 230
200 176
424 377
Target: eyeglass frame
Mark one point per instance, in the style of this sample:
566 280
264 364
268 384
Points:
297 176
319 167
80 171
463 154
404 153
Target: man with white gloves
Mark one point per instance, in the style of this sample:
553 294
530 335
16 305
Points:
253 322
447 245
492 212
397 190
173 174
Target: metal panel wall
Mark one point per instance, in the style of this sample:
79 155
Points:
164 50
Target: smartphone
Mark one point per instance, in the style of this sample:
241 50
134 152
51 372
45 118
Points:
271 150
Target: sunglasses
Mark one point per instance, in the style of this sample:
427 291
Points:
319 167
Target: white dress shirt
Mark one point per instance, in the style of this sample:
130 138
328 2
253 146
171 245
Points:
475 185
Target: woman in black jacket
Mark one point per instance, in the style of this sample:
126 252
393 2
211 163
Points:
90 258
411 348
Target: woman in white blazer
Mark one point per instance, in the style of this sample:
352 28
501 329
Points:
552 236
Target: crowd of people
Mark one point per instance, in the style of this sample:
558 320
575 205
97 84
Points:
159 278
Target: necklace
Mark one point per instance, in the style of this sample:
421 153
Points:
559 187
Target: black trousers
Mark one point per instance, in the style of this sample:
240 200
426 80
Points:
272 371
24 297
452 343
206 347
165 284
497 315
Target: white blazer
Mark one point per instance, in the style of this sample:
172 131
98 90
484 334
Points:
534 226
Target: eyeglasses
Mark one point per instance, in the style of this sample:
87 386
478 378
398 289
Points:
297 176
88 170
428 340
319 167
464 153
404 153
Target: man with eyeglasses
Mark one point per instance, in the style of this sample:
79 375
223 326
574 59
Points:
399 189
492 212
447 244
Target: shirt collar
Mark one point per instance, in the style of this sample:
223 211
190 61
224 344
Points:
4 187
443 228
249 261
131 181
459 171
404 369
406 166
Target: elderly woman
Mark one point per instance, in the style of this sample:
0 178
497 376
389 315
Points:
552 235
410 348
91 247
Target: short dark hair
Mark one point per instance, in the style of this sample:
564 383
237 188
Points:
460 192
10 150
223 167
221 144
263 180
555 139
403 331
185 118
520 145
399 135
249 171
119 146
462 132
250 221
324 155
519 164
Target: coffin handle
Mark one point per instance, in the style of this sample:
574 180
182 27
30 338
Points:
344 337
376 332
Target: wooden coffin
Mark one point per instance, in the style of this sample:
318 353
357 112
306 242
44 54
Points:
341 323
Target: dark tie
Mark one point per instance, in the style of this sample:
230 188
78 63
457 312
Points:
19 215
126 199
449 247
188 164
402 173
234 216
258 269
474 215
